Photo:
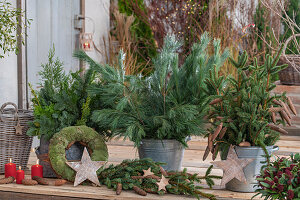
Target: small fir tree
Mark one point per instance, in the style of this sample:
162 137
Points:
243 109
168 104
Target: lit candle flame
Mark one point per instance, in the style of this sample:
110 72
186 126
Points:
37 161
10 160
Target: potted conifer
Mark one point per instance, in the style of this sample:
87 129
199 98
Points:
243 113
61 101
160 111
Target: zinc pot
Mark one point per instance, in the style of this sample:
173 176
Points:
73 153
167 151
252 170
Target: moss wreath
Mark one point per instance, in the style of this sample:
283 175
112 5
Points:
64 139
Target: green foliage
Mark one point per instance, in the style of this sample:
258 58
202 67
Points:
140 30
245 103
8 27
293 12
168 104
62 100
178 184
280 179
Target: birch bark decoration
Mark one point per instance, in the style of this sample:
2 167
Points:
86 169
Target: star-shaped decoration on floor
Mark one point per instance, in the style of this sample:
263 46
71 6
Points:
232 167
86 169
147 172
162 183
18 128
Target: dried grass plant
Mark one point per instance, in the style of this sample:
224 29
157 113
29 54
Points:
121 38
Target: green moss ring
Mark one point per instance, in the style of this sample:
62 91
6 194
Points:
68 136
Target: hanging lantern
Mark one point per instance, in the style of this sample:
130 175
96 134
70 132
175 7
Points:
86 41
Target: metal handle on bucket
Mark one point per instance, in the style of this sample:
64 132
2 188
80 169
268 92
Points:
2 111
275 148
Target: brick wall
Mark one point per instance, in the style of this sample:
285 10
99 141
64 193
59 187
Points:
293 92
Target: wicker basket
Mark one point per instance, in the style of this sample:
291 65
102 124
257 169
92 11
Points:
13 144
290 76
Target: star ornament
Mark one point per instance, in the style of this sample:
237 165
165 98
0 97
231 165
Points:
18 128
162 183
86 169
232 167
147 172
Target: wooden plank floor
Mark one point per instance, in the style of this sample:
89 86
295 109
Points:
120 150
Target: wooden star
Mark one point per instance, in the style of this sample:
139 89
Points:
232 167
162 183
86 169
165 180
18 128
147 172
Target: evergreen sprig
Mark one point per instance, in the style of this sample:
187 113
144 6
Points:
62 100
244 106
168 104
179 182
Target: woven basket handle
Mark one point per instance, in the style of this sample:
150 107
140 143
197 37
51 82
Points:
2 111
287 42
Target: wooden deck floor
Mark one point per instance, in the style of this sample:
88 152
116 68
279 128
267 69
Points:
120 150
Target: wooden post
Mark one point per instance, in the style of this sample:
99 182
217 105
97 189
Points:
20 58
82 13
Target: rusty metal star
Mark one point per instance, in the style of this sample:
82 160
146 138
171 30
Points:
86 169
18 128
232 167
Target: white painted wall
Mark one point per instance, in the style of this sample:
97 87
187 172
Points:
52 23
97 18
8 76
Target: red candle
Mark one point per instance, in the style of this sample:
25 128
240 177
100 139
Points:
10 169
37 170
20 176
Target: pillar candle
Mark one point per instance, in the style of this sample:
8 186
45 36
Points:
10 169
37 170
20 176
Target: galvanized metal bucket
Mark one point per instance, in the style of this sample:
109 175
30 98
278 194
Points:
167 151
252 170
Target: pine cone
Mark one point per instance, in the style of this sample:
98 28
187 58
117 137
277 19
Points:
278 129
222 133
40 180
291 105
273 115
60 182
215 152
276 102
275 109
217 131
210 142
286 109
139 191
29 182
163 172
7 180
149 190
153 177
215 101
206 153
285 117
119 188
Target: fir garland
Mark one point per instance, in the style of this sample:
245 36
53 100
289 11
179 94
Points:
128 176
